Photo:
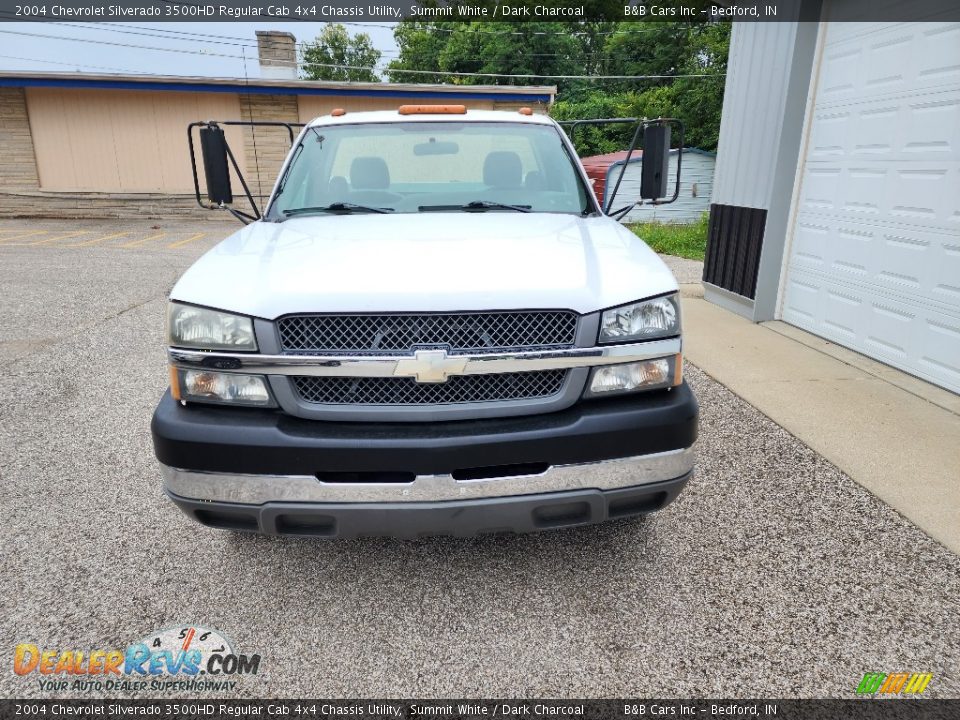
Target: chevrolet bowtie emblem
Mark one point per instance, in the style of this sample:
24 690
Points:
430 366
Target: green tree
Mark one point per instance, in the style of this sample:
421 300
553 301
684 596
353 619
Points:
636 50
335 55
650 48
529 48
697 101
420 46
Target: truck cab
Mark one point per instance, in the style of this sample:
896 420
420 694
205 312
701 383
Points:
432 329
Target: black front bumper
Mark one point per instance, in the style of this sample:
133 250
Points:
243 440
517 514
223 441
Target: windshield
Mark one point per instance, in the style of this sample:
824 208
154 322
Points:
430 167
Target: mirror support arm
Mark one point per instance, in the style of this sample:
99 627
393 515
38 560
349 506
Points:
240 215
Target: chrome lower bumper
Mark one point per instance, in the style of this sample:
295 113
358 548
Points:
260 489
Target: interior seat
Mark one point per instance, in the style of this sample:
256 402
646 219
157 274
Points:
502 170
534 181
369 173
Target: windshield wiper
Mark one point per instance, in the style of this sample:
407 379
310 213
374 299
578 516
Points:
337 207
476 206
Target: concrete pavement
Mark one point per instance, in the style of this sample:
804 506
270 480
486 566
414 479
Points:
897 436
773 575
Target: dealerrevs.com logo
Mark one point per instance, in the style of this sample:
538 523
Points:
185 658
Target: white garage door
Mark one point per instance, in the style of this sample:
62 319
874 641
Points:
875 257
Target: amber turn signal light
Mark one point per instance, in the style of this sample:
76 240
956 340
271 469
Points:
433 110
174 383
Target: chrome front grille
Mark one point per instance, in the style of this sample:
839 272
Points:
407 391
458 333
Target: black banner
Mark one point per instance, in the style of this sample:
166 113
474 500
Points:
890 709
472 10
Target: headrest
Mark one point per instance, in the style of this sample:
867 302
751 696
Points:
369 173
502 169
337 187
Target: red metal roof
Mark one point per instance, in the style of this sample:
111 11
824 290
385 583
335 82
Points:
597 166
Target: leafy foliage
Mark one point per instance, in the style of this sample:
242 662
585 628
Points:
635 49
336 55
529 48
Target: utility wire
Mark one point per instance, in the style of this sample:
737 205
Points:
75 64
381 69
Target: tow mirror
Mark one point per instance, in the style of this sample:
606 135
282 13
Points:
655 165
218 158
655 171
213 148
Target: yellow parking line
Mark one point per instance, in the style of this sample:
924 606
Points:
141 242
18 237
99 240
56 237
187 240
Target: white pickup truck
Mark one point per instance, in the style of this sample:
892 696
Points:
433 329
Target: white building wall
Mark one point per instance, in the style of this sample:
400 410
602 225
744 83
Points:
756 89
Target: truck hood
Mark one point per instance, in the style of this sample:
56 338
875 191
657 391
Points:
425 263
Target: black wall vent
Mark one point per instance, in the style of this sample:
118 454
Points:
734 241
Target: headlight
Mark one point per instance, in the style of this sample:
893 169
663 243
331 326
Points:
202 329
226 388
646 320
635 376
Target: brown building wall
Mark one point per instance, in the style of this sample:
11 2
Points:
121 141
17 166
266 147
87 153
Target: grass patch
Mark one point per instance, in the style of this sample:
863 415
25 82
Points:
687 240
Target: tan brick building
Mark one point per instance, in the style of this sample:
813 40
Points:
88 145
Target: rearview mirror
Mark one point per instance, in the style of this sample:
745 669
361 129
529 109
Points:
656 162
436 148
213 147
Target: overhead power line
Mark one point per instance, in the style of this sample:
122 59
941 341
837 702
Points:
378 69
75 64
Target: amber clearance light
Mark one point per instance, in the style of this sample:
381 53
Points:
433 110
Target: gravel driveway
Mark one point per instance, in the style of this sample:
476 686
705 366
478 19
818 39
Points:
773 574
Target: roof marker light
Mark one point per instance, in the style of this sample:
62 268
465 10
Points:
525 111
433 110
338 112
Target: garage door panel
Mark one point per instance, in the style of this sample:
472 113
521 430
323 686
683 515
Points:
887 59
914 126
933 128
919 194
891 329
802 301
914 263
843 310
864 189
885 70
942 357
874 259
821 187
850 253
946 274
938 61
906 334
